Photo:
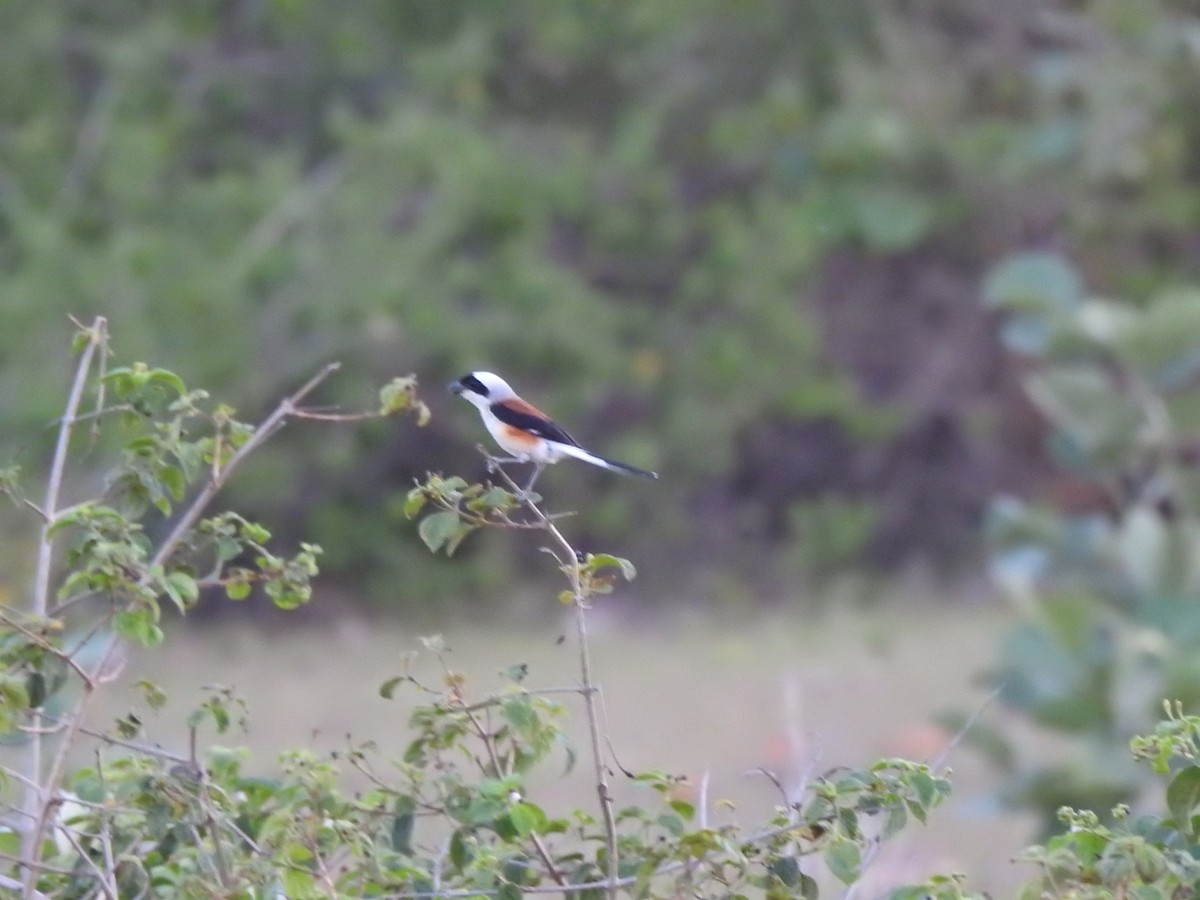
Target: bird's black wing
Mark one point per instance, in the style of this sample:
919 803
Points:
520 414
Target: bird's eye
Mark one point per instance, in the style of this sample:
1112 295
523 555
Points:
471 383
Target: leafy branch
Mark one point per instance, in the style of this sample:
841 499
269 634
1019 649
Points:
171 442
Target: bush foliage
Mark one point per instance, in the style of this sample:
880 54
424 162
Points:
451 815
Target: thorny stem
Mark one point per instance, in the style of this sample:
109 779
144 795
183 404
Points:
587 687
43 807
35 800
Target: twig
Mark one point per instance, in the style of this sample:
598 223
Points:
588 690
47 646
11 883
74 723
214 830
36 866
104 878
35 798
143 749
262 433
940 761
500 699
338 417
547 859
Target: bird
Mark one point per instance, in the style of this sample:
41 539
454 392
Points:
524 431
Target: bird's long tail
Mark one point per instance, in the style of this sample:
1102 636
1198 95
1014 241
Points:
611 464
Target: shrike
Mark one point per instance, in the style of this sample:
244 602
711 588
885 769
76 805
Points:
523 430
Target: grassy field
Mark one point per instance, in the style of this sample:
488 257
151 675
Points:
708 698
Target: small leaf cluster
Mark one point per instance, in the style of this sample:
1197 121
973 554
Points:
400 395
163 449
462 508
1148 856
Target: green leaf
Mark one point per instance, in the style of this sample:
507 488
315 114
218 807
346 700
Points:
414 502
526 818
1183 797
685 809
173 480
897 818
463 530
786 869
519 713
1034 282
388 688
438 528
170 379
35 686
299 884
402 824
515 673
672 824
923 783
599 561
1084 402
138 625
254 532
238 589
1161 341
182 589
14 696
155 696
844 860
397 395
461 853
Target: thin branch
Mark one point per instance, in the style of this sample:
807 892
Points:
547 859
11 883
214 831
143 749
35 799
588 686
36 866
45 557
47 646
205 862
74 723
262 433
939 761
338 417
97 873
500 699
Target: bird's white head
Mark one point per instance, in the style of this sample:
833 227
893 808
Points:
482 388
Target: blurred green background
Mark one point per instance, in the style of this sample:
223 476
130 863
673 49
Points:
800 257
741 243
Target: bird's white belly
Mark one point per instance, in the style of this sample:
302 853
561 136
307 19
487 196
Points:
537 450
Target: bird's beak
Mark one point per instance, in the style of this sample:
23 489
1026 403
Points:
455 387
